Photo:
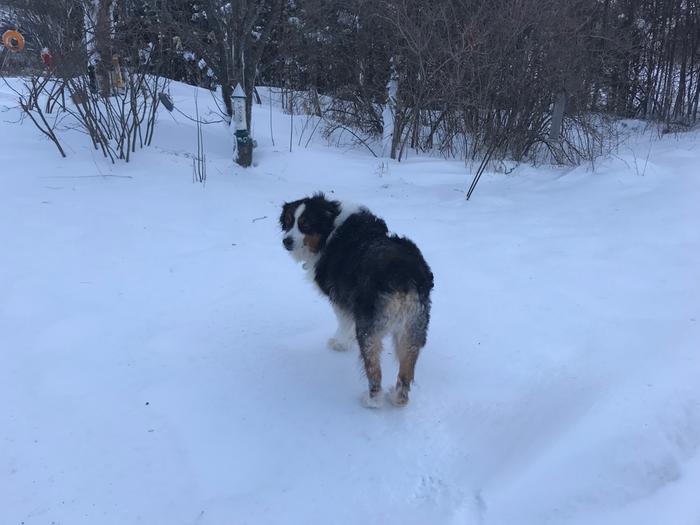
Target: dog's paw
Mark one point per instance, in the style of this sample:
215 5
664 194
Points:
398 397
375 401
337 344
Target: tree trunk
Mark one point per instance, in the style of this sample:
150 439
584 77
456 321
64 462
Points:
390 137
99 39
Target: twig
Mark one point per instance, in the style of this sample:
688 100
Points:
269 96
363 142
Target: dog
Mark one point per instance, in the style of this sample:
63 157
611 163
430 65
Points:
378 284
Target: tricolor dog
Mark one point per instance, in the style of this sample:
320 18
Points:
378 283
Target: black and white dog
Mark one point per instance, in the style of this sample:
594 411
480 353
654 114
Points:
378 284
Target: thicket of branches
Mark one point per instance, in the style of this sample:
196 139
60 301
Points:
520 79
472 76
92 71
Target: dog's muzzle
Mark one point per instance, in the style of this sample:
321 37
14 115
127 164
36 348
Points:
288 243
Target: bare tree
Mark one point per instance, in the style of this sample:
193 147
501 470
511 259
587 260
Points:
228 37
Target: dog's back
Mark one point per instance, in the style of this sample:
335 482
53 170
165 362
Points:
362 262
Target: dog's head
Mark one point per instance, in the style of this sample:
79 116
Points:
306 224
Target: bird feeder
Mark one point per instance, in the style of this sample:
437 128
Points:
46 57
244 143
13 41
239 116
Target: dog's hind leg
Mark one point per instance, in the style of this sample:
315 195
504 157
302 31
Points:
370 349
408 356
408 341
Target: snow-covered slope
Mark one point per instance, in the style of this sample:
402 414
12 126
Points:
163 361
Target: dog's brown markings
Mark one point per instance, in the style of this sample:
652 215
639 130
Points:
313 242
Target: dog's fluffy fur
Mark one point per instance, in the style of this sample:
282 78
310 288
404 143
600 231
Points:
378 284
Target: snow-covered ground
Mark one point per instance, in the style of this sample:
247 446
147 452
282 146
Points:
163 360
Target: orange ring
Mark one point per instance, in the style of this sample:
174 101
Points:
13 40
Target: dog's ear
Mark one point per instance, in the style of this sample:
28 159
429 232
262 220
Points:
331 209
285 221
287 215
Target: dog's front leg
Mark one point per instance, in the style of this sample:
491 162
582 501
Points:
344 338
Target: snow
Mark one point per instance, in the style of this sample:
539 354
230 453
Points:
164 361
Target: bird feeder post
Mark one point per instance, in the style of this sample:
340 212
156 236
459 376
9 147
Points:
244 143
